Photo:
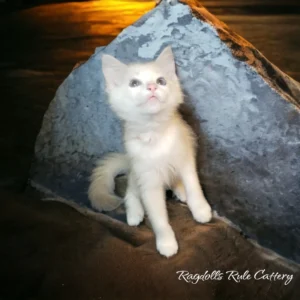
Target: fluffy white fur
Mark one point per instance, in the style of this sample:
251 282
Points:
160 148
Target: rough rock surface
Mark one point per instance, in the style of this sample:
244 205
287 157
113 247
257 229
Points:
245 111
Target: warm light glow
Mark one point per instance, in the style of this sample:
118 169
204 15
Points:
104 17
71 31
111 16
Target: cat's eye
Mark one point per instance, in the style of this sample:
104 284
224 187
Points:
161 81
134 83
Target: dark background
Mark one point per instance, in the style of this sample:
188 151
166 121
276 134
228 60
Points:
41 43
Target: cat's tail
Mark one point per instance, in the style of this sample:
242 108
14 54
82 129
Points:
101 189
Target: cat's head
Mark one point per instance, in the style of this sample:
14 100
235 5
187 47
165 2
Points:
144 89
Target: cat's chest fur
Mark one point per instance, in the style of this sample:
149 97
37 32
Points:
152 146
154 154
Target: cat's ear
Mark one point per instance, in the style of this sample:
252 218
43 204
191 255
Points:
166 61
113 70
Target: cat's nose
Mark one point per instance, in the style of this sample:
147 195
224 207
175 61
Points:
151 87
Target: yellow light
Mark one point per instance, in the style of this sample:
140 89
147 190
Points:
109 17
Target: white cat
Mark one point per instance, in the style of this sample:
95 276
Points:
160 148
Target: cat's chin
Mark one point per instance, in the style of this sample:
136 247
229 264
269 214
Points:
153 109
152 98
153 105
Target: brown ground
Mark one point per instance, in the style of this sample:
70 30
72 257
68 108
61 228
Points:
50 251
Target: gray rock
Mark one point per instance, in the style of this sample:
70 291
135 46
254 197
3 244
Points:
245 111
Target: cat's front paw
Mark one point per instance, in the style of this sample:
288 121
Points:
135 216
167 246
202 213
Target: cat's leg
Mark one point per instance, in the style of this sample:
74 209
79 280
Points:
154 201
133 205
196 201
179 190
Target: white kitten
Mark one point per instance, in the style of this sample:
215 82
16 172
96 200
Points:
160 148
